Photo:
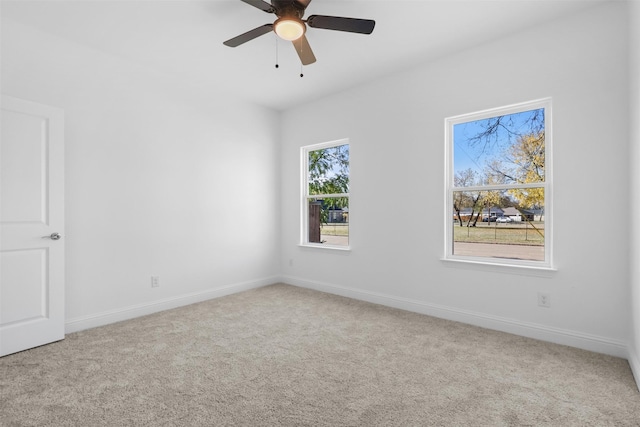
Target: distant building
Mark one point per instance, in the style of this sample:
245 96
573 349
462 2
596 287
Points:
516 215
512 213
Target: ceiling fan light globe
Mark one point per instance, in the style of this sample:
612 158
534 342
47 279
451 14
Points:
289 29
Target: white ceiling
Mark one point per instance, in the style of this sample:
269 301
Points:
184 38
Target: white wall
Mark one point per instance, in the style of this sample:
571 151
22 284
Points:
160 180
634 120
396 129
163 180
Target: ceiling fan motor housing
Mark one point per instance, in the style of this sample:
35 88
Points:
288 8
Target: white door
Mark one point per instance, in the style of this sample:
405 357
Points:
32 225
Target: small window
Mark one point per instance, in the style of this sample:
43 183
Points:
325 200
499 186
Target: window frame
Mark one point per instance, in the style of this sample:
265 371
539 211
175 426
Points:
547 185
305 196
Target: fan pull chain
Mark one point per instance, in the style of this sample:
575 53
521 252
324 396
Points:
276 39
301 74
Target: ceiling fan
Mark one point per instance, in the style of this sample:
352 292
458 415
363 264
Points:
290 25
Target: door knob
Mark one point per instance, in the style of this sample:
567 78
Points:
53 236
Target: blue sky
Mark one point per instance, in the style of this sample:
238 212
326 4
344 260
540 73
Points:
468 155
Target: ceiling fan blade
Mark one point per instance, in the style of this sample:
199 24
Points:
262 5
351 25
304 50
249 35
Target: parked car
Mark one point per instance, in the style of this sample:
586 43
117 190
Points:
489 219
503 219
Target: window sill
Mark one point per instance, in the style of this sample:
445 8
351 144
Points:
325 247
497 267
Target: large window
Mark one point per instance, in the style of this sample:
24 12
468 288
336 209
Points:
499 186
325 195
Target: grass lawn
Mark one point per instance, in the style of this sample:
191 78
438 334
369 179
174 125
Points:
339 229
511 233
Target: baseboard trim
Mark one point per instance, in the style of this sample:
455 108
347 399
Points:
544 333
133 311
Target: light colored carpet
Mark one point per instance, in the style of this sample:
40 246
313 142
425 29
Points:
282 355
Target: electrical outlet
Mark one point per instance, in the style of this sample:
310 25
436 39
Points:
544 299
155 281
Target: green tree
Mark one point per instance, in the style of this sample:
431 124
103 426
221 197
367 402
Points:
522 162
463 199
475 200
329 174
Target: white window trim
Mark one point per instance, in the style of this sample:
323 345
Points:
502 264
304 192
